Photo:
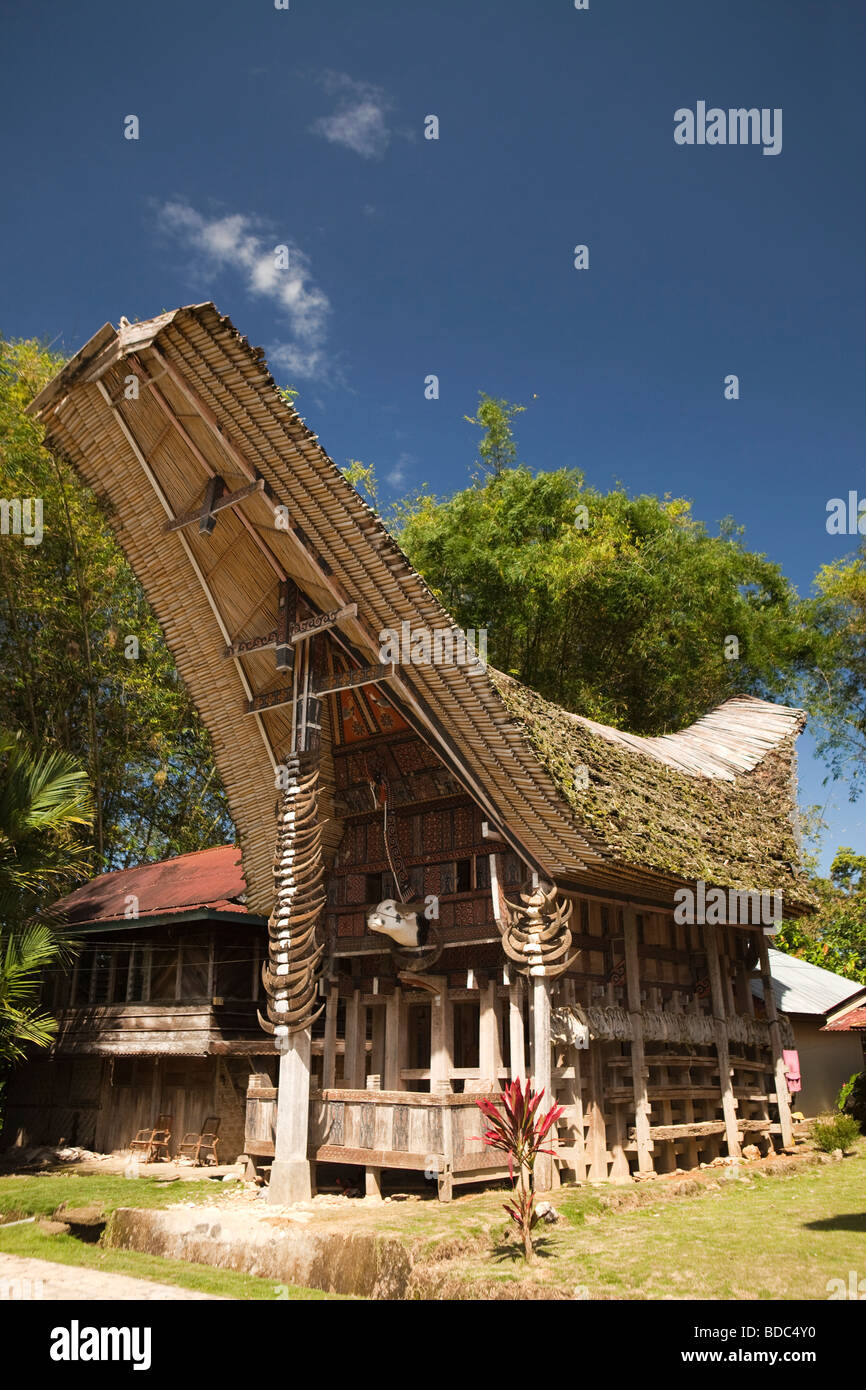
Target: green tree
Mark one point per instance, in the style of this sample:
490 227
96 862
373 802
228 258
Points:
362 476
835 692
834 937
44 807
495 418
622 608
83 664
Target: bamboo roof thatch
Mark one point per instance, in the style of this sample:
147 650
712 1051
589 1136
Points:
714 801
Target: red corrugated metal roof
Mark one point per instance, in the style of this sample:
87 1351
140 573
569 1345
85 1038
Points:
854 1019
208 878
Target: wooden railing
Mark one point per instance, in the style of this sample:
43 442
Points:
439 1135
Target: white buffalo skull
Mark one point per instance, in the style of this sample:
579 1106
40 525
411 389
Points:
405 923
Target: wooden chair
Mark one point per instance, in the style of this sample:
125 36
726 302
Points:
153 1142
202 1147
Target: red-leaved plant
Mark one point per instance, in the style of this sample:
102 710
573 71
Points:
520 1133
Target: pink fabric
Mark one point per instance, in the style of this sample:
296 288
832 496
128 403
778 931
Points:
792 1068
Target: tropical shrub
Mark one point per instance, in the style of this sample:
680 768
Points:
520 1133
842 1132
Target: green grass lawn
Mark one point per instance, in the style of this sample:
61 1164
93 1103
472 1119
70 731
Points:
41 1195
778 1237
769 1237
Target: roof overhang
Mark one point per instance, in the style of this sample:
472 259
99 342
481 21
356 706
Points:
149 414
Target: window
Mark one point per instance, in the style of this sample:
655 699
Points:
135 979
121 976
194 974
234 972
464 875
163 980
82 977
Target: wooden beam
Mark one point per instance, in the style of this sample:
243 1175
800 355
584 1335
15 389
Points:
329 1056
489 1059
214 503
167 508
362 675
785 1123
291 1177
187 438
441 1043
393 1057
597 1129
729 1103
516 1035
546 1173
418 714
638 1058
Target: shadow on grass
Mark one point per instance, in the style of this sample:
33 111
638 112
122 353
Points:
845 1221
511 1249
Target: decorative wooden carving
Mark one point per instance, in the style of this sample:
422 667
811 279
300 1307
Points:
536 935
290 974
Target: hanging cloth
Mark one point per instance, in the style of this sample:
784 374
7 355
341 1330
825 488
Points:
792 1070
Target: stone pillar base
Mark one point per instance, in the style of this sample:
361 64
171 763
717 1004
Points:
291 1181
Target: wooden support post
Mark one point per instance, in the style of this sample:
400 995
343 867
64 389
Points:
597 1136
393 1056
782 1100
638 1060
729 1104
575 1099
488 1036
372 1182
291 1179
377 1054
355 1052
546 1173
445 1182
440 1037
329 1056
515 1029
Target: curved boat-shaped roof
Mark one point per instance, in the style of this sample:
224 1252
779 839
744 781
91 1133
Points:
207 406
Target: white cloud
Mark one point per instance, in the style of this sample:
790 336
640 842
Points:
360 122
397 475
238 242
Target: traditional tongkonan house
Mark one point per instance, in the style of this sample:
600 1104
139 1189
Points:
463 882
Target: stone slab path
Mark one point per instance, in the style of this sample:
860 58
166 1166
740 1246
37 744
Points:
27 1279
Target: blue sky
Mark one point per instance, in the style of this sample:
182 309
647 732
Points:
305 127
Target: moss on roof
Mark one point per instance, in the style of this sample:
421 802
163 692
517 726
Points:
733 834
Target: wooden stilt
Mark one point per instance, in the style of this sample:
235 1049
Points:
440 1037
717 991
329 1055
291 1179
489 1059
546 1176
597 1130
393 1058
782 1099
377 1056
638 1060
515 1029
